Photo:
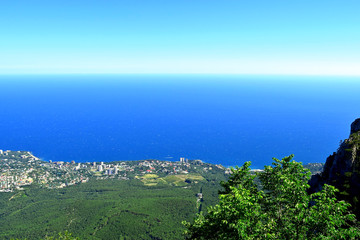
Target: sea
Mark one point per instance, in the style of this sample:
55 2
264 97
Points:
220 119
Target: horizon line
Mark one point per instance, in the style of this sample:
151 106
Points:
198 74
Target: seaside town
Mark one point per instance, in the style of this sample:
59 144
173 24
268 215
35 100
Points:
21 168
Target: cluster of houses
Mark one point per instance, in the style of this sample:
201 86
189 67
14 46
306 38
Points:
20 168
14 174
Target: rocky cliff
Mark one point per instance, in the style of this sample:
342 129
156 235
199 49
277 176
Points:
342 169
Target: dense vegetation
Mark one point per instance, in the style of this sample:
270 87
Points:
280 209
150 206
107 209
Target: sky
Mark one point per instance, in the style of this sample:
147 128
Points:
296 37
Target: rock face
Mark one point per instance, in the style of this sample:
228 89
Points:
342 170
355 126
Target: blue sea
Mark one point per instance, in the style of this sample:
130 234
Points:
224 119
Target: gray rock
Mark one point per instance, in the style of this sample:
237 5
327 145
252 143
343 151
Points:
355 126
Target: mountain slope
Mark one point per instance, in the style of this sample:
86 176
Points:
342 169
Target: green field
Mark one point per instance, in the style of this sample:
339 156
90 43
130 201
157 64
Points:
174 180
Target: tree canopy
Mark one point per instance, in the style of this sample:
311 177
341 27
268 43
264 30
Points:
278 207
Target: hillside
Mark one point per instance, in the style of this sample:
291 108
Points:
145 199
120 200
103 210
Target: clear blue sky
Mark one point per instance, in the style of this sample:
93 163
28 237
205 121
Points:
185 36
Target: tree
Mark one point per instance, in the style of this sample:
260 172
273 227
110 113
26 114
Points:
277 208
63 236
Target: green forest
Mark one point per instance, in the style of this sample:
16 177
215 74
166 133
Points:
103 209
111 208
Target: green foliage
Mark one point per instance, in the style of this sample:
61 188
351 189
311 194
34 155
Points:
102 209
282 209
241 177
63 236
